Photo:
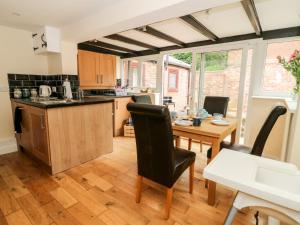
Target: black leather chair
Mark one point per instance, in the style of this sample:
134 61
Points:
213 104
157 158
144 99
261 138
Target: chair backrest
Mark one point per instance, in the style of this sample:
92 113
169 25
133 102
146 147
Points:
144 99
264 132
154 142
216 104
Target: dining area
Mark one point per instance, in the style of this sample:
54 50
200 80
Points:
162 158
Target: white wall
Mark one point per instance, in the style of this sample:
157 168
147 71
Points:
294 154
258 110
17 56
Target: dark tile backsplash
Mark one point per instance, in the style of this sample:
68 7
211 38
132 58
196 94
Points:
34 81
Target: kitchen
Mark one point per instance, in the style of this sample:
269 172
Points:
69 77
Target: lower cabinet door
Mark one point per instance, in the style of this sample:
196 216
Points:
40 135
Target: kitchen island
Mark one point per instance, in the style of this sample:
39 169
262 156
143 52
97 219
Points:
62 134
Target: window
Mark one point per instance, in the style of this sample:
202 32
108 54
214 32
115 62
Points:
133 73
149 73
276 80
173 80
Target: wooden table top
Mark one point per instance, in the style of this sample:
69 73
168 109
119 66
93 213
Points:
209 129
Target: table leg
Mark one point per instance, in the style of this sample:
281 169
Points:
212 185
177 141
233 136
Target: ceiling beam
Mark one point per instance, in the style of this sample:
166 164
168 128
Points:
266 35
160 35
194 23
93 48
127 40
250 9
110 46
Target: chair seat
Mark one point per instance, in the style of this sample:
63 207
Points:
183 159
236 147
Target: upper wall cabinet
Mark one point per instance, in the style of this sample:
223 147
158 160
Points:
96 70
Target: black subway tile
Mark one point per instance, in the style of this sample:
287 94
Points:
35 77
22 77
28 83
15 83
11 76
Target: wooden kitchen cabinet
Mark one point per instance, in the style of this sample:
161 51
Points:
66 136
34 136
121 114
96 70
40 134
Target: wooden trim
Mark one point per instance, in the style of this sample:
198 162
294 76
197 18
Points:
194 23
250 9
151 31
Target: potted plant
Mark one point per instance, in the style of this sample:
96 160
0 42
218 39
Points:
293 66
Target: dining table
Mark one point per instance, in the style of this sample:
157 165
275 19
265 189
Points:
210 133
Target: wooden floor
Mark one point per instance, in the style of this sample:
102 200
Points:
102 192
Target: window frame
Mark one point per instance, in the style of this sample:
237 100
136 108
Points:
261 61
176 72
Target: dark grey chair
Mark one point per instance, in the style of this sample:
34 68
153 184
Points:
144 99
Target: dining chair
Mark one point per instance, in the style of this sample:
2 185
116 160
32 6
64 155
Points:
145 99
157 157
213 104
260 140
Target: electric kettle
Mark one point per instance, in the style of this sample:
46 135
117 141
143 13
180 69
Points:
45 91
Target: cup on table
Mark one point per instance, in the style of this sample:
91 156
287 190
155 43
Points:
173 115
218 116
196 121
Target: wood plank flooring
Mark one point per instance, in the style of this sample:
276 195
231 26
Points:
102 192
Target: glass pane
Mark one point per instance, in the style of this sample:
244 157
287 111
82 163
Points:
125 74
197 82
276 79
149 73
222 76
177 79
133 73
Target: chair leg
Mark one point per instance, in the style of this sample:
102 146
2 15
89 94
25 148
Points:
206 181
139 183
168 202
190 144
192 167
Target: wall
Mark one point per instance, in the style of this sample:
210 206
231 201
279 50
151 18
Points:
258 110
294 154
16 56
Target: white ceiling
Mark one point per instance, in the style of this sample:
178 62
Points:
32 14
82 20
225 21
276 14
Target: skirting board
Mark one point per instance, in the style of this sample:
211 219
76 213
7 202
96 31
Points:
8 146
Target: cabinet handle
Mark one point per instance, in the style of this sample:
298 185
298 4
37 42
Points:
117 105
101 79
42 122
